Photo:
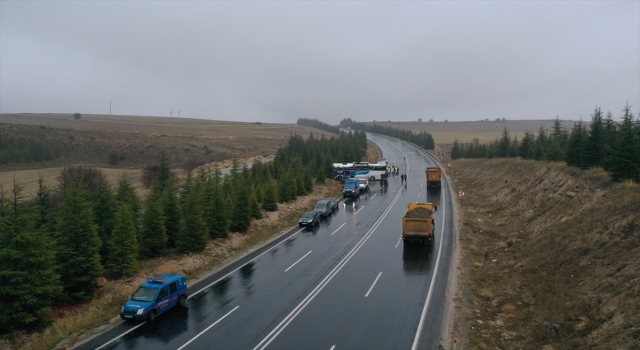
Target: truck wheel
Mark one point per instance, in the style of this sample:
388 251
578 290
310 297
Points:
151 316
372 178
182 301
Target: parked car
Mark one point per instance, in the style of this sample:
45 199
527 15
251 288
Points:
154 297
333 203
310 218
323 207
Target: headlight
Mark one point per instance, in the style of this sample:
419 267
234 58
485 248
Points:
140 311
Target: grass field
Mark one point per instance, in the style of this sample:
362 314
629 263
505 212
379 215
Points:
485 131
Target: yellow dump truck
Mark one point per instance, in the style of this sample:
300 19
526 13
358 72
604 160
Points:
418 224
434 176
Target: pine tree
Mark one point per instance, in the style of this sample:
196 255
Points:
123 246
625 158
153 234
504 144
172 217
596 141
241 215
104 206
455 150
78 245
126 193
526 145
255 207
42 202
270 200
193 235
576 147
217 218
24 300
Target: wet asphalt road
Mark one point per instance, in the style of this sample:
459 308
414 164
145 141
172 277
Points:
349 283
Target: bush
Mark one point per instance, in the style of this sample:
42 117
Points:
77 116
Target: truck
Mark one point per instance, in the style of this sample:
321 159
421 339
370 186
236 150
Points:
418 224
351 188
363 182
434 176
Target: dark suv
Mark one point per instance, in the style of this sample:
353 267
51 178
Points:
323 208
309 218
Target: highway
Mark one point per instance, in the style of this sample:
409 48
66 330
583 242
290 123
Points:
349 283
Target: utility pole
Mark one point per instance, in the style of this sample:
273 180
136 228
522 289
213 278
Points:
109 107
178 113
171 114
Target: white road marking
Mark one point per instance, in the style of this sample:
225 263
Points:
374 195
333 347
360 209
120 336
227 275
201 333
416 340
296 311
373 285
294 264
338 229
399 241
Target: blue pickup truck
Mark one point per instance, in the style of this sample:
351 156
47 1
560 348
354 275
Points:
351 188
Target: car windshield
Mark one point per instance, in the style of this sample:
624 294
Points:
361 181
307 215
145 294
321 205
350 185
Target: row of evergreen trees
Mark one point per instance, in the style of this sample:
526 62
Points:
315 123
55 245
423 139
614 146
22 151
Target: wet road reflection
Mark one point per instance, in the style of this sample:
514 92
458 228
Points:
416 258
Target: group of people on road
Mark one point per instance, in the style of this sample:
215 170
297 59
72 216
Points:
403 177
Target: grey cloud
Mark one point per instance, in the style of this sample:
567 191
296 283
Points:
277 61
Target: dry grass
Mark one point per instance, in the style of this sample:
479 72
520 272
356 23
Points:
79 324
566 267
446 133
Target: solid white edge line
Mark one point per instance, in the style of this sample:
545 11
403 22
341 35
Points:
201 333
209 285
373 285
398 241
416 340
243 265
338 229
360 209
120 336
285 322
294 264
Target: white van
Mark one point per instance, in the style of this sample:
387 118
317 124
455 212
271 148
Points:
363 182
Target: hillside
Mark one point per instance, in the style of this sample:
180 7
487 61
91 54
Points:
551 257
136 141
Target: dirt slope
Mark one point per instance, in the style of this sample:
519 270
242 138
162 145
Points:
551 257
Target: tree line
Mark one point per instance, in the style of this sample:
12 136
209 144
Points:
315 123
613 146
55 244
423 139
22 151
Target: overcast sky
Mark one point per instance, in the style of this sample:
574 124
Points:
278 61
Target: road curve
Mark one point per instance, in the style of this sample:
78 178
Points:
349 283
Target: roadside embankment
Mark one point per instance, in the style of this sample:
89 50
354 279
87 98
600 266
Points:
550 257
